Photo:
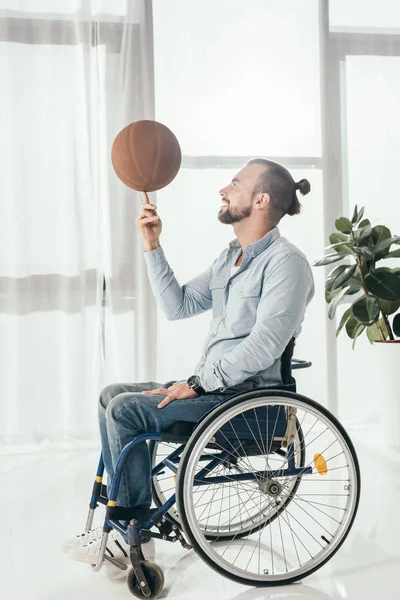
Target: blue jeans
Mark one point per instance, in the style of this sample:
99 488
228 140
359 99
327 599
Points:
124 413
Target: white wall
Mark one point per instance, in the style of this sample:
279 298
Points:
373 148
240 78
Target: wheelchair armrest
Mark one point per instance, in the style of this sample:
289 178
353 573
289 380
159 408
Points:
300 364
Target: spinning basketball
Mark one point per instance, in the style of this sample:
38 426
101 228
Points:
146 156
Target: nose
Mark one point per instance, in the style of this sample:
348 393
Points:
222 192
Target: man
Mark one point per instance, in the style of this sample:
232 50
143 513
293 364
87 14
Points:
258 289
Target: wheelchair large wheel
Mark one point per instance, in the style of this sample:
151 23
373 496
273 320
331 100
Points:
285 544
164 485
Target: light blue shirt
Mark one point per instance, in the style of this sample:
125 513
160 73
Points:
255 310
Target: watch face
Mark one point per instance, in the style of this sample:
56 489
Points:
193 381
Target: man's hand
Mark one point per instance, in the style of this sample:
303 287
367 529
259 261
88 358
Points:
179 391
149 225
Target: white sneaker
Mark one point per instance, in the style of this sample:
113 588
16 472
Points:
88 551
84 538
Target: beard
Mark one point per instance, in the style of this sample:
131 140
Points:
229 216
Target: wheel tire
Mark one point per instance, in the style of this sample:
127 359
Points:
181 483
154 576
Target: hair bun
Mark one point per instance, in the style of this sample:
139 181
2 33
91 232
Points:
303 186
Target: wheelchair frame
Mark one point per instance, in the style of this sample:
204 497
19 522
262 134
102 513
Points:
141 521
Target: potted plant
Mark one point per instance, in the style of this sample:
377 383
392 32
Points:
374 293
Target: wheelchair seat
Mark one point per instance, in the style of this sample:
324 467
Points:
181 431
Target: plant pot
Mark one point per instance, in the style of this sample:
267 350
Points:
387 367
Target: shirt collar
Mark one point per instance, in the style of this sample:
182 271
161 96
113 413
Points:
260 245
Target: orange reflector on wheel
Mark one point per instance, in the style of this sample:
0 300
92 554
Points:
175 478
320 464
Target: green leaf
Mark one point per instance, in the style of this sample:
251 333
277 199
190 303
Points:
380 233
365 233
364 252
388 307
357 333
360 215
393 254
396 325
355 215
355 286
329 296
351 326
354 329
336 238
373 333
342 247
364 223
329 258
332 276
340 243
343 225
343 277
354 283
366 310
336 302
344 319
380 249
384 284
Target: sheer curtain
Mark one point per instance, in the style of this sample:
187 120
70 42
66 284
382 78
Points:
313 84
73 73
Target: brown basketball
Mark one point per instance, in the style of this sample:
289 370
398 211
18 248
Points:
146 156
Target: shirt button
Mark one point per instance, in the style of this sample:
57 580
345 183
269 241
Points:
211 387
212 335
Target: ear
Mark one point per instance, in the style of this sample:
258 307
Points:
262 200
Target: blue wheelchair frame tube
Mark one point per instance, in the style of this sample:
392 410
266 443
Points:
200 477
97 483
142 437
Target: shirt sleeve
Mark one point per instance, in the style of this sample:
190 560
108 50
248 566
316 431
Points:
175 301
286 292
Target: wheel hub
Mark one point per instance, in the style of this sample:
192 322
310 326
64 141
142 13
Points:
271 487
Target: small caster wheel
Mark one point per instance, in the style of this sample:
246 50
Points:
154 577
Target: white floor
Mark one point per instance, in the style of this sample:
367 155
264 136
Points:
44 499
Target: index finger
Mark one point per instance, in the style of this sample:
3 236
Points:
166 401
145 198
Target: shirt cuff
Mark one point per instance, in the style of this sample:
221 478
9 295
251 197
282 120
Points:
211 383
155 258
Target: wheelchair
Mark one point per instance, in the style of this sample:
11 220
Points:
265 488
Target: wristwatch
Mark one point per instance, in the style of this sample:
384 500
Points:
194 384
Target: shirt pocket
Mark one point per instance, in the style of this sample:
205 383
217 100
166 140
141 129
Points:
247 302
217 287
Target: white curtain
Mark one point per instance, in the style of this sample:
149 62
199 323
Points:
313 84
72 74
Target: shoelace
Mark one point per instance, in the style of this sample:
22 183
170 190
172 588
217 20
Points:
90 533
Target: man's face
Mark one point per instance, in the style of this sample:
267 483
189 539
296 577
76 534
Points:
237 197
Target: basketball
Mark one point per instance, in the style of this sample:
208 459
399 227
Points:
146 156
